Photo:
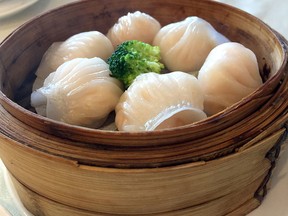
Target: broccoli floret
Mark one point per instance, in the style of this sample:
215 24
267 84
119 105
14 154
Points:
132 58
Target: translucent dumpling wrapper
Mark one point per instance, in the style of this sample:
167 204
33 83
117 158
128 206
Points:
80 92
134 26
82 45
158 101
229 74
185 45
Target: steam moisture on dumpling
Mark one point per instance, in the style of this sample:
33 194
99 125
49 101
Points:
229 74
185 45
158 101
80 92
134 26
82 45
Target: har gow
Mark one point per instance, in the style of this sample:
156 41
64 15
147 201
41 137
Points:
229 74
82 45
158 101
80 92
185 45
134 26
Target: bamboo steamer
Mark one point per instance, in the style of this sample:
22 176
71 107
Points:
220 166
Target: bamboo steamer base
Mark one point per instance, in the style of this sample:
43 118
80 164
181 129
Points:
240 203
243 192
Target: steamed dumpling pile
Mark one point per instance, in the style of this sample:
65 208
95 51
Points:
229 74
82 45
185 45
156 101
80 92
79 89
134 26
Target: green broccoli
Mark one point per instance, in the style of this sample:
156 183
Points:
132 58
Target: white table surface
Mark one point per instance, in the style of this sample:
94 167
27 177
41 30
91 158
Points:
274 13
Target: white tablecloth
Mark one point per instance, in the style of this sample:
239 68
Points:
274 13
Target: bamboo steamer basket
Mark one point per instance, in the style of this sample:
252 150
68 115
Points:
220 166
201 141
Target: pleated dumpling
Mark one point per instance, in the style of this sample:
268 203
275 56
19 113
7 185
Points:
158 101
80 92
134 26
229 74
82 45
185 45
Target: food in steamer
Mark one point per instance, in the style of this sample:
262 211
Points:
229 73
80 92
134 26
132 58
167 102
82 45
158 101
185 45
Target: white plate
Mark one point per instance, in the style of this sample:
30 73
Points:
4 212
10 7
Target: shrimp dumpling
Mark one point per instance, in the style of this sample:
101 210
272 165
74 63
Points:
158 101
134 26
229 74
82 45
80 92
185 45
